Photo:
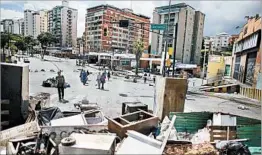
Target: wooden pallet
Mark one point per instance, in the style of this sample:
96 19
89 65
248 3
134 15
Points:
222 133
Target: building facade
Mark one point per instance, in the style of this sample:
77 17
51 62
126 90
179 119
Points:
232 39
62 23
247 54
15 26
117 38
220 42
189 32
39 22
28 22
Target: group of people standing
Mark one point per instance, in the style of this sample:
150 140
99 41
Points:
101 79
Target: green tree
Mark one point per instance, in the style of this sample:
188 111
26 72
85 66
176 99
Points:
20 44
29 40
4 41
138 50
45 40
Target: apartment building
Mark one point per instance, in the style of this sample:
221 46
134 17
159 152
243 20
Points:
246 54
208 43
15 26
39 22
189 32
220 41
118 38
28 22
62 23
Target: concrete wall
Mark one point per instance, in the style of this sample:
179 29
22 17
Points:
15 87
180 33
190 17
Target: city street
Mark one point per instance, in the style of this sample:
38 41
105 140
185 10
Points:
117 90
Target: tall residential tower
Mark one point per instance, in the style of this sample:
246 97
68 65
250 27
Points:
62 22
189 32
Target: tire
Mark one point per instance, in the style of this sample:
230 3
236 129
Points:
68 141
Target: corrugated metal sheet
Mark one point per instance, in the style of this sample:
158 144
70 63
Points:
252 132
247 121
190 122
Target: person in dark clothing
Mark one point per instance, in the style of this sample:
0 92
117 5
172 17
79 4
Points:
103 80
145 77
60 80
108 75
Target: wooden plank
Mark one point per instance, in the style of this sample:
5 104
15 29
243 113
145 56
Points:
174 96
167 133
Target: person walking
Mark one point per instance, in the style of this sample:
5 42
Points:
103 80
108 75
98 79
83 77
60 80
145 77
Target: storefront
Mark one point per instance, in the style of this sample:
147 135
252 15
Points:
246 56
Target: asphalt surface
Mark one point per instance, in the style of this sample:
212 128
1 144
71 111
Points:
118 90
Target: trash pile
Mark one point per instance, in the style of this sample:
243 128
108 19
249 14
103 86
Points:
51 82
190 149
48 130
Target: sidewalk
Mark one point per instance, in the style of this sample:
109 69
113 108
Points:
231 97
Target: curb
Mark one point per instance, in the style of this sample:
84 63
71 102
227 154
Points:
245 102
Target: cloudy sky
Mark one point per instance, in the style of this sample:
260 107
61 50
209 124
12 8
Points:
221 16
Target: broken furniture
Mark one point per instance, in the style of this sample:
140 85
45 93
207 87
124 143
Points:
86 118
57 133
85 105
137 143
246 128
27 129
22 145
140 121
170 96
130 107
89 144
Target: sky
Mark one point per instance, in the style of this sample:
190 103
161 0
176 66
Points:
221 16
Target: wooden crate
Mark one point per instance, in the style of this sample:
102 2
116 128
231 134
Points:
139 121
222 133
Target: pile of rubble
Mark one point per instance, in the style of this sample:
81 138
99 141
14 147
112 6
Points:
87 131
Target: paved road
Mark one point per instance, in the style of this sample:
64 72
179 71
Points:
110 100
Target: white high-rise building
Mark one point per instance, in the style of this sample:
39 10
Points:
15 26
190 25
218 42
39 22
62 22
28 22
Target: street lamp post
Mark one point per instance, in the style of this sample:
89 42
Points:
166 37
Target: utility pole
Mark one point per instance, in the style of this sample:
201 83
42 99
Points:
166 37
204 64
174 53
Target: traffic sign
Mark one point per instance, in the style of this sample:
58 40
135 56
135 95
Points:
158 26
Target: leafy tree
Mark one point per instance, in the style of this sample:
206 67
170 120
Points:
138 49
4 40
20 44
45 40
